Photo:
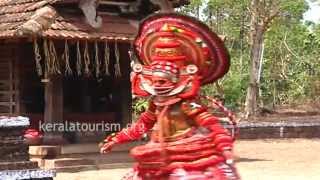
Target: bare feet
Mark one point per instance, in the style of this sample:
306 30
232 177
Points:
228 155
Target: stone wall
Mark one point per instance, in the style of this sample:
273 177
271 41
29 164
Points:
14 153
278 130
12 147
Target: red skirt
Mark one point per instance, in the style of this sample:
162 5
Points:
193 155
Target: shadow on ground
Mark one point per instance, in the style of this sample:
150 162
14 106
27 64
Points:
250 160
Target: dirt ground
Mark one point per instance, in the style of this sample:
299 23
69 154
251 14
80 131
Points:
294 159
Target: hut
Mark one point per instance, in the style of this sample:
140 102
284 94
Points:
68 60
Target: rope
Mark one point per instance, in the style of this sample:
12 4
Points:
117 64
68 69
47 56
106 58
37 57
86 59
97 58
79 63
54 59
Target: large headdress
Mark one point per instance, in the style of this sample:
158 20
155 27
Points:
184 41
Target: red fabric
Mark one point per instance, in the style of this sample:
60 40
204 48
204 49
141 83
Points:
221 136
32 133
135 85
219 172
193 91
194 153
167 45
168 58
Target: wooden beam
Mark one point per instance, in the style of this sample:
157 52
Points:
165 5
115 3
53 112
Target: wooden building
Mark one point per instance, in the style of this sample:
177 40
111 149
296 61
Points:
68 60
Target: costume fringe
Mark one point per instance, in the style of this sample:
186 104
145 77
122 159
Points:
37 57
106 58
97 62
117 64
68 70
232 119
86 60
79 59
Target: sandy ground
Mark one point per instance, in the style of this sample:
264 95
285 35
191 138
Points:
294 159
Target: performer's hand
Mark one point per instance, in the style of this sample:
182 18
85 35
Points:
228 155
106 147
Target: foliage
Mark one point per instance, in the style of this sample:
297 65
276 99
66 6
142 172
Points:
291 68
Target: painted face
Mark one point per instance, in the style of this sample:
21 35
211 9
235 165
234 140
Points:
162 84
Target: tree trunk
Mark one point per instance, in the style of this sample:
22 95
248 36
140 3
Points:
261 17
255 58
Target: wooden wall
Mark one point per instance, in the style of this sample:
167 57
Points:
23 93
9 93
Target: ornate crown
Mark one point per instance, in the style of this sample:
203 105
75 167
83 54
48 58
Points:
184 41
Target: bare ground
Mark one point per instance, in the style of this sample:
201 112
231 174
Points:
294 159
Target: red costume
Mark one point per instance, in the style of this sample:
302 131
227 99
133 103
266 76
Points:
178 54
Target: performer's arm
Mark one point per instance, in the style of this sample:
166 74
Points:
222 137
145 122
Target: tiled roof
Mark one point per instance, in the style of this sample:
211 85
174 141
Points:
14 13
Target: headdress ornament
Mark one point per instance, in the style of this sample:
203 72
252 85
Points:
182 40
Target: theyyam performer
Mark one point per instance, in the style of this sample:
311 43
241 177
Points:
178 54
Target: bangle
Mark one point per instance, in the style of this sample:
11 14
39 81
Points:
109 138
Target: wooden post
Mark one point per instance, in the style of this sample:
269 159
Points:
53 112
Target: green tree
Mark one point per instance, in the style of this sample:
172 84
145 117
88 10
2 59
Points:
272 33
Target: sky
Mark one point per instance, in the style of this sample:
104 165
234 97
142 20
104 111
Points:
314 13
